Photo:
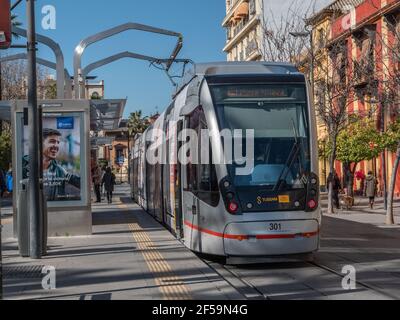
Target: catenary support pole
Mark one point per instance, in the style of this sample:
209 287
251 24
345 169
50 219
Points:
34 152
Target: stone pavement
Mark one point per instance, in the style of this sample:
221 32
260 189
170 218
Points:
129 256
362 213
132 257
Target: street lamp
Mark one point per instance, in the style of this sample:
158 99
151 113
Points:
305 34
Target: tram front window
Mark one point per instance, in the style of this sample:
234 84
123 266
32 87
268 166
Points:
278 116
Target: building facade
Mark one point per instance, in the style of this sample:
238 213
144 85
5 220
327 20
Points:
115 153
94 90
367 33
244 28
248 22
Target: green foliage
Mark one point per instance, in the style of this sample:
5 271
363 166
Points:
96 96
359 141
323 149
136 123
392 136
5 149
51 91
15 23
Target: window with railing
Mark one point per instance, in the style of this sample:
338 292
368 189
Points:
240 26
321 38
339 58
252 7
228 34
396 49
251 47
364 65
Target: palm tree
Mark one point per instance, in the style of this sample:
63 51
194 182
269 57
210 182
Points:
136 123
15 23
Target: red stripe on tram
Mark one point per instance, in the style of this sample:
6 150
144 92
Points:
216 234
246 237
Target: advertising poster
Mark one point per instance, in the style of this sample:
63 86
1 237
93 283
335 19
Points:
61 157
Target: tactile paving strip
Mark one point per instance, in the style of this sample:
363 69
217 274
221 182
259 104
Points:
23 272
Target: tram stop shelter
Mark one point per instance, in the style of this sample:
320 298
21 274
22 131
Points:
67 127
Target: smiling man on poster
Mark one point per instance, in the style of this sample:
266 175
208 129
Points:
61 159
55 176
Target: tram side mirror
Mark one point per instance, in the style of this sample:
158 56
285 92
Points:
188 109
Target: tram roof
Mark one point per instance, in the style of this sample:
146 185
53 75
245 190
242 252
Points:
242 67
239 68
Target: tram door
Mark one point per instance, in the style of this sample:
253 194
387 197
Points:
150 186
200 185
192 206
178 188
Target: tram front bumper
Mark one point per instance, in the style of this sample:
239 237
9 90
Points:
266 238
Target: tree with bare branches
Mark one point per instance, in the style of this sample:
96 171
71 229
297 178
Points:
278 44
334 94
388 94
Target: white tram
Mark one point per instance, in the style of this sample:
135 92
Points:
271 211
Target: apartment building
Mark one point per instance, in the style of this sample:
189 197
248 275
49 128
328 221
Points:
243 23
247 22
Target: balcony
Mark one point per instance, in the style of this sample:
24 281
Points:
236 33
231 12
363 73
251 50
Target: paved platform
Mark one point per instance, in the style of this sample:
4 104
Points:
129 256
362 213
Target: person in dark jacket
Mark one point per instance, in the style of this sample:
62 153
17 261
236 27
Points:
109 182
336 186
370 188
3 185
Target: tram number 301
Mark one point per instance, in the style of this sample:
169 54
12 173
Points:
275 227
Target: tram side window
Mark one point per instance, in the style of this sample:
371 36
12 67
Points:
191 168
202 178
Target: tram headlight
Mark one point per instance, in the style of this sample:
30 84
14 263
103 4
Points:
227 184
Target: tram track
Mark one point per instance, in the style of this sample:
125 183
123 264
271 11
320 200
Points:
358 282
251 292
244 287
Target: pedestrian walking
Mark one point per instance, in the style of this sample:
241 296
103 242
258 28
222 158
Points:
9 181
109 183
3 185
103 190
370 188
97 181
336 187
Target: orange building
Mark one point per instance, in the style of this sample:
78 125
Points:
370 31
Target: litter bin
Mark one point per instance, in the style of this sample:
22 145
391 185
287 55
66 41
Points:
23 220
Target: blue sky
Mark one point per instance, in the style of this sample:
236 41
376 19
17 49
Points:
146 88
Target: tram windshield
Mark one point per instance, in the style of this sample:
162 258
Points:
278 116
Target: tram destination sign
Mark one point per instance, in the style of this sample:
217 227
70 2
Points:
258 92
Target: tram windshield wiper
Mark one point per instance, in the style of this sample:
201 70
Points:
293 155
